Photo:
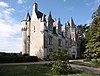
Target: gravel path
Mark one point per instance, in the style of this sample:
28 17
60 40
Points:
83 68
86 68
26 63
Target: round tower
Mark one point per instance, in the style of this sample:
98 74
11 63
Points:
26 34
24 37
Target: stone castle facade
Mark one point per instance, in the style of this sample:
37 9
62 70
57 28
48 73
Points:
42 34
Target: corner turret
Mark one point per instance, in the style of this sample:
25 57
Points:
49 17
26 33
72 25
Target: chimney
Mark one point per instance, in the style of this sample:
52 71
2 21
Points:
35 7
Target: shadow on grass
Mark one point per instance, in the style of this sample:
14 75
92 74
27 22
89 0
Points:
33 70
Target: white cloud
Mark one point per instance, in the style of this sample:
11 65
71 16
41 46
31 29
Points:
20 1
98 0
3 4
70 8
64 0
7 11
88 4
10 45
10 39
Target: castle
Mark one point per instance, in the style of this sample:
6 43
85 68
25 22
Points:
42 34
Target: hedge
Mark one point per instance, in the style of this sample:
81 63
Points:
12 59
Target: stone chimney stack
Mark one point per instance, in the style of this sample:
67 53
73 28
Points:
35 7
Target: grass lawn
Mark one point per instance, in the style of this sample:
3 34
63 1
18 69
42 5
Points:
35 70
89 63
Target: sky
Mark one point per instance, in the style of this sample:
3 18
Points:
12 13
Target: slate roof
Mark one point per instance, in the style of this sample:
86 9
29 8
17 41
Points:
72 23
40 15
27 17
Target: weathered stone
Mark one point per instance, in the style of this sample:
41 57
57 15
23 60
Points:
41 34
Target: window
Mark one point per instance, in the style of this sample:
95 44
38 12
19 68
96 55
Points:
26 23
50 27
73 39
59 49
34 28
50 49
45 45
66 44
50 40
59 42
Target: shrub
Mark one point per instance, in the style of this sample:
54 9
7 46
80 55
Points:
9 59
87 60
61 67
25 54
59 55
97 61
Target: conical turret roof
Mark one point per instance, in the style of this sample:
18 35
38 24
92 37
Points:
49 16
68 23
72 23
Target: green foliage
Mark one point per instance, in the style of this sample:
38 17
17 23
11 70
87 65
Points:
81 33
93 45
82 30
25 54
9 54
97 13
35 70
10 59
93 37
59 55
25 70
61 67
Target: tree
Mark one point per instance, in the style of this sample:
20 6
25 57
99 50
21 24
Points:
93 45
81 34
97 13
